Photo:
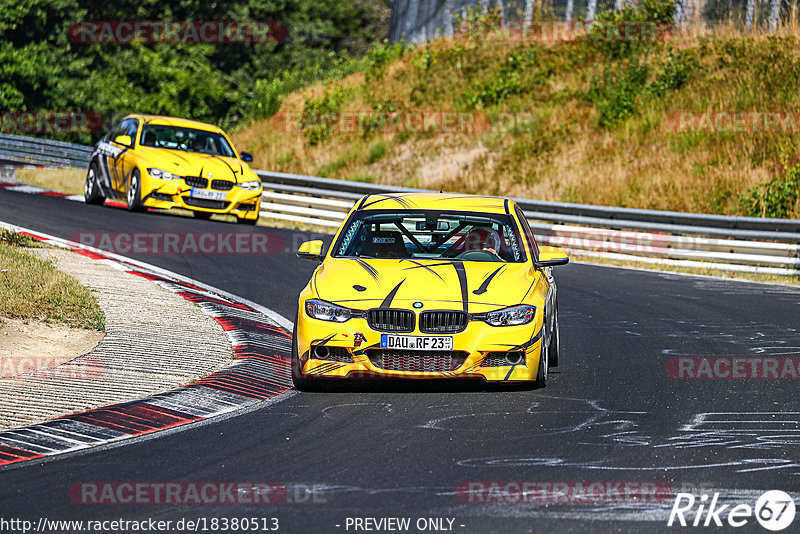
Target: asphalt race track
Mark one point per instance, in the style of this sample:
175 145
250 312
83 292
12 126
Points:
610 412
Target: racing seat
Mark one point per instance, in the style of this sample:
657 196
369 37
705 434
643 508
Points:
384 244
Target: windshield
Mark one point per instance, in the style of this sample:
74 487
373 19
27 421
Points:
435 235
186 139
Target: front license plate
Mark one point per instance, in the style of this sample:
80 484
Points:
389 341
206 194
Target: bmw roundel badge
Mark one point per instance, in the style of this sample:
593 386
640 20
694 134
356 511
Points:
418 305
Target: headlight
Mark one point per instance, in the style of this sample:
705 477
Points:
511 316
161 174
325 311
254 185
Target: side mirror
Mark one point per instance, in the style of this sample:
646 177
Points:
551 256
123 140
246 156
310 250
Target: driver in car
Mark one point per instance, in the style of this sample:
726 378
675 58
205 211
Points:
199 143
484 240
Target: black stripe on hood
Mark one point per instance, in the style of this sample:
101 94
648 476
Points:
462 281
387 302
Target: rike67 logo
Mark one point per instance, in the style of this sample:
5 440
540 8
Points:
774 510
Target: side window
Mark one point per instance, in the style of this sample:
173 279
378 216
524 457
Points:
132 127
114 132
126 127
122 129
528 233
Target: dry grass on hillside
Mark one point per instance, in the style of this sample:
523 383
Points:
551 136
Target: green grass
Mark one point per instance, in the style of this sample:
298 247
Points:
33 288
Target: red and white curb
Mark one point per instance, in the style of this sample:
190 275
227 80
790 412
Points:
19 187
262 347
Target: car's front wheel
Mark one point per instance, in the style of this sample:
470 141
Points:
544 364
555 342
91 189
135 192
298 377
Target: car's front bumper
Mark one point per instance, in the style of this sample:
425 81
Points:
168 194
354 352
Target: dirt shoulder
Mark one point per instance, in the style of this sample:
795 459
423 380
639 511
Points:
31 346
154 341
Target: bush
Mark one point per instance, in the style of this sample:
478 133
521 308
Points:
380 56
652 20
378 120
320 115
41 69
475 25
425 61
376 152
780 197
265 97
492 91
616 92
504 84
675 72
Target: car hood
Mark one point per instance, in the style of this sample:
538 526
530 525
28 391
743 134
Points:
473 286
194 164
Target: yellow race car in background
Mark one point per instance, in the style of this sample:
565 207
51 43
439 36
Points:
164 162
429 286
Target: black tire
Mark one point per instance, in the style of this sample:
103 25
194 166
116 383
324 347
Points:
555 342
91 190
541 373
202 215
134 195
248 222
298 378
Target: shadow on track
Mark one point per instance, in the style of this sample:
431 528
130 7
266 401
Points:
378 385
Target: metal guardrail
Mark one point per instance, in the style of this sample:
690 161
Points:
19 149
702 240
729 243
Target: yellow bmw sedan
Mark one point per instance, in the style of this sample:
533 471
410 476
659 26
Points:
429 286
164 162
